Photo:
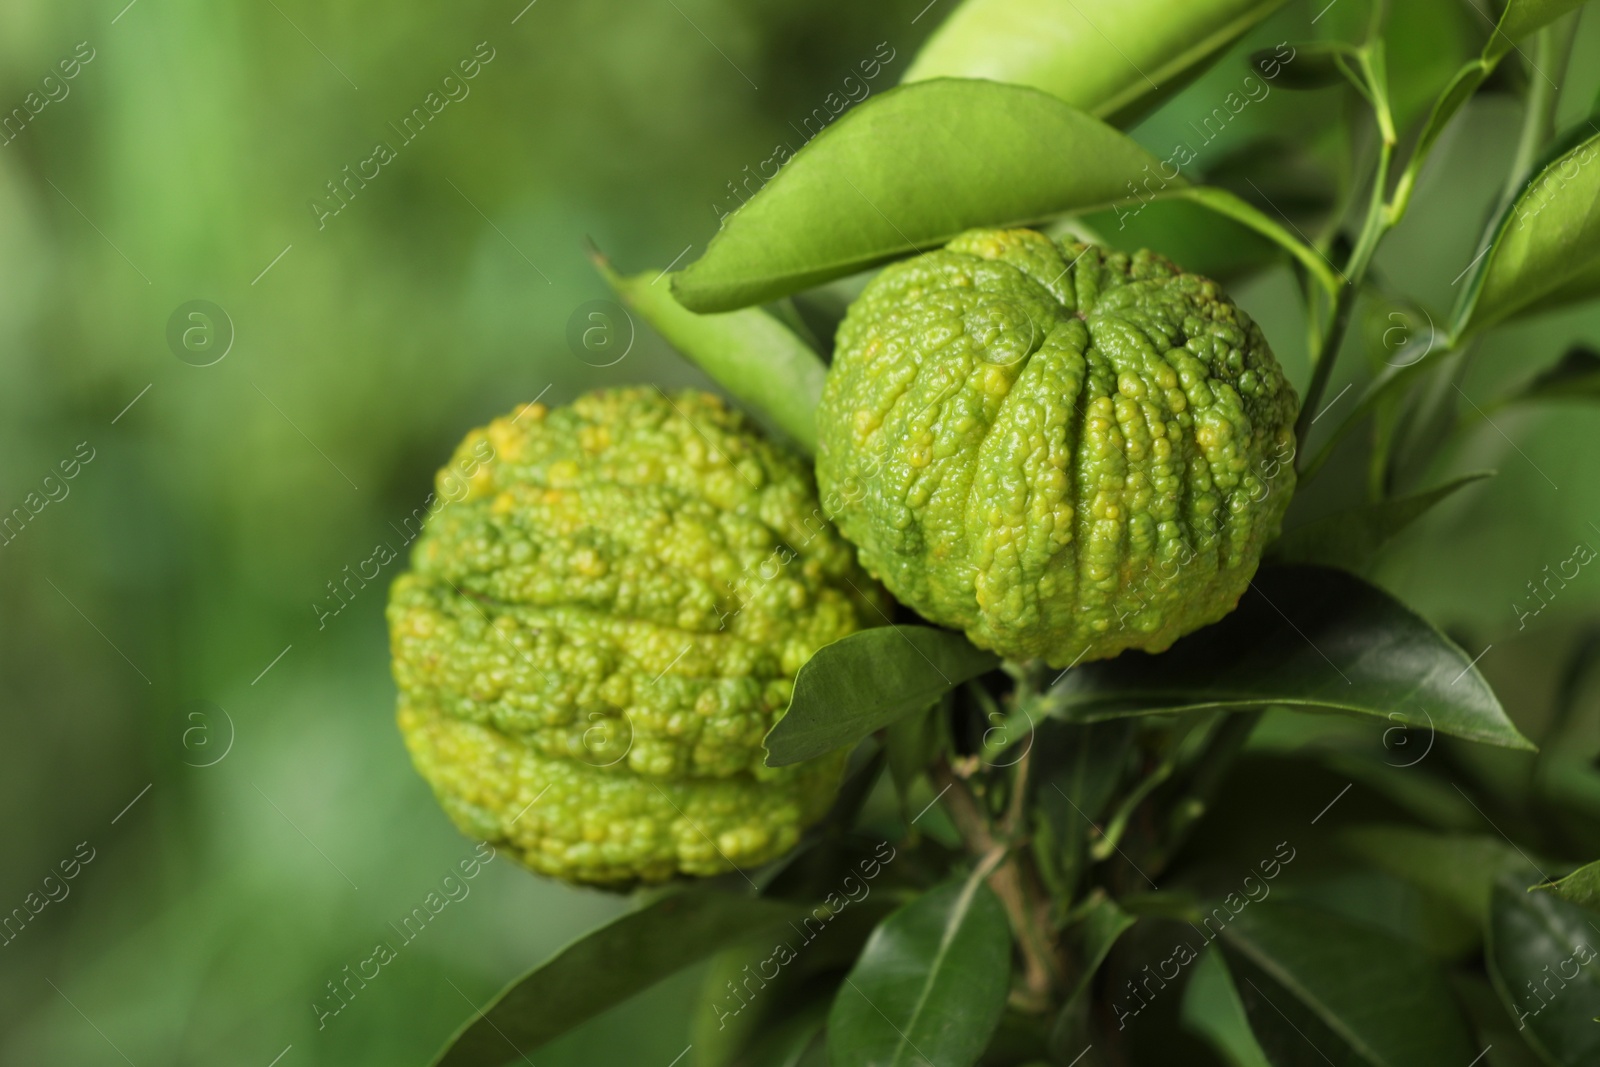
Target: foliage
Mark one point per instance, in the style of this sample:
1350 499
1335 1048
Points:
1267 862
1376 947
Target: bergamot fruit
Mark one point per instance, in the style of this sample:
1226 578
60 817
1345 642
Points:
1061 450
602 623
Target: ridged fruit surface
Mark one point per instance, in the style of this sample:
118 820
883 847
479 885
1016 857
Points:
1061 450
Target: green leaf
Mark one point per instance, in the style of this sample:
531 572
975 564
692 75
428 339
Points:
1185 232
1077 769
1314 64
1093 936
1457 869
913 168
1522 17
1581 887
606 967
1543 964
1320 988
1575 377
753 989
1304 637
750 353
866 681
1109 59
1544 249
1212 1009
1233 207
929 987
906 171
1350 539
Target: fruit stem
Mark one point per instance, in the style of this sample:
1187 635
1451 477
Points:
1027 905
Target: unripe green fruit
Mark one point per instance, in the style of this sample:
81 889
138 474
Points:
604 621
1063 451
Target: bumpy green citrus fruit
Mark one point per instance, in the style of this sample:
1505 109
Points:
1063 451
602 623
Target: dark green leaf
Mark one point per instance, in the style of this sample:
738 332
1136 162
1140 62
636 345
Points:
912 741
1582 886
606 967
1350 539
1544 249
930 985
753 989
1320 988
1212 1009
1305 637
1078 767
1543 964
865 681
1107 59
1233 207
751 353
1314 66
1198 239
906 171
1575 377
1457 869
1091 939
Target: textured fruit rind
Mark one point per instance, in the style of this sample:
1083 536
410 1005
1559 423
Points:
601 625
1061 450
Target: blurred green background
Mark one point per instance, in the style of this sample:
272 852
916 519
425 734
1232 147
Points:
170 698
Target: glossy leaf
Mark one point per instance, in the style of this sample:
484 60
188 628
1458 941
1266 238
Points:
1544 965
1544 249
1304 637
1522 17
1350 539
606 967
906 171
1109 59
1457 869
866 681
750 352
910 169
1581 887
930 985
1320 988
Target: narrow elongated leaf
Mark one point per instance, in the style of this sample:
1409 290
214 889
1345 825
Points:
1522 17
1320 988
751 353
906 171
1458 869
1305 637
865 681
1581 887
1544 249
606 967
1350 539
929 987
1109 59
1544 965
